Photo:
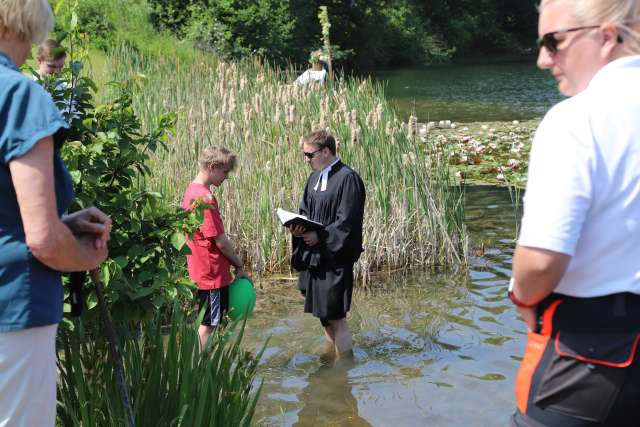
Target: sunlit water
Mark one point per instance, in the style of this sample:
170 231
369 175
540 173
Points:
430 349
471 92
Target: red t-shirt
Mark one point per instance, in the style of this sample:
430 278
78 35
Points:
208 267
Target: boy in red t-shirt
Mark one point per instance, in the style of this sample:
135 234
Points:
212 252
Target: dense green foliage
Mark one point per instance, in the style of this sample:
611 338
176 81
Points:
171 384
378 32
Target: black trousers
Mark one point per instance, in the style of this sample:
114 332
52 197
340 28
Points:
581 367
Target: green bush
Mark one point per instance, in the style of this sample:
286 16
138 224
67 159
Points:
107 153
172 15
93 20
237 28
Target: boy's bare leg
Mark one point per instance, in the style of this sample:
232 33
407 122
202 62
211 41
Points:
342 337
204 332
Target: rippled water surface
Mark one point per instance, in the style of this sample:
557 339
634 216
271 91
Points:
471 92
430 349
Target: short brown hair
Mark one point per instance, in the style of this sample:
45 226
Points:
217 156
321 139
51 49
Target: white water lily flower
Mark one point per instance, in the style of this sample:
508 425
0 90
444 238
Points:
485 127
516 122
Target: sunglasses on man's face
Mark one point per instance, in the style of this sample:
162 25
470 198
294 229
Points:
312 154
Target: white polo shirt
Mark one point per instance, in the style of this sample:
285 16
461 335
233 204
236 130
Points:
583 189
311 76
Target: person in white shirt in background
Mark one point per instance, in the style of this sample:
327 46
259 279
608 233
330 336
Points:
576 268
317 73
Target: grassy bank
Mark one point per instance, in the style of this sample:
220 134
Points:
414 209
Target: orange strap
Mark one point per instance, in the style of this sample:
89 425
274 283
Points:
536 344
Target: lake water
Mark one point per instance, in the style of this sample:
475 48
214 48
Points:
430 349
471 92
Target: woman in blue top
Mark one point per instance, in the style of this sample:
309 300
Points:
36 241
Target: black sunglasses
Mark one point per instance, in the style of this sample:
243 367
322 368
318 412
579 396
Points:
549 42
312 154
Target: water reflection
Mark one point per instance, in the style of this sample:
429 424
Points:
328 399
438 349
471 92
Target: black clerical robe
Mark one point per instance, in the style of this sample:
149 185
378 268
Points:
326 269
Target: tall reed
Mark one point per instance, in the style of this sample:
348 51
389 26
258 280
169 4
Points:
414 211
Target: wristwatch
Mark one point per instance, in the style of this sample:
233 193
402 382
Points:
515 300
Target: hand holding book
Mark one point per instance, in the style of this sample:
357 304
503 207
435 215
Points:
289 219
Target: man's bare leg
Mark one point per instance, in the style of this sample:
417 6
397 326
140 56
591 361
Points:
330 342
204 332
342 337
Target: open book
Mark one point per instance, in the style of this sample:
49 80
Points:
289 218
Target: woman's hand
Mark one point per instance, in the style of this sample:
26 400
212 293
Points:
90 221
297 230
94 255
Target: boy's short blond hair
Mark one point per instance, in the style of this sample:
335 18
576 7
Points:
30 20
217 156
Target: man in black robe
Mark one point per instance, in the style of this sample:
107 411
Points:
334 196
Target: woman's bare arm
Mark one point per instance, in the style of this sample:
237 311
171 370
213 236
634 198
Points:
50 241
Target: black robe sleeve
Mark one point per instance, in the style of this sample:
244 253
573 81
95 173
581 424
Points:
342 238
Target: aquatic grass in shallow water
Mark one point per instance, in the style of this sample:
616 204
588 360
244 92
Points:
414 211
171 384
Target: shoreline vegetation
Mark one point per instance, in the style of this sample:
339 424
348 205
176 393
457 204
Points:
414 213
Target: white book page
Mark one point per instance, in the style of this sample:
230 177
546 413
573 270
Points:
285 215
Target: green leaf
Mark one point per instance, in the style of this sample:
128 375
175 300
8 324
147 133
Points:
178 240
76 176
141 293
121 261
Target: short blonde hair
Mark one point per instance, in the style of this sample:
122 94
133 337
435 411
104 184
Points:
624 14
30 20
217 156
